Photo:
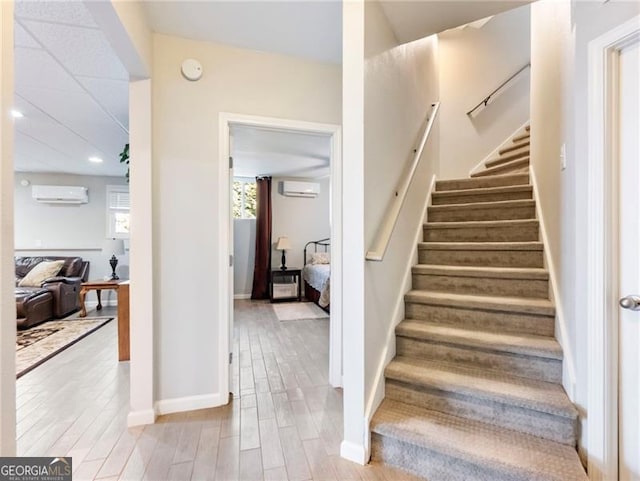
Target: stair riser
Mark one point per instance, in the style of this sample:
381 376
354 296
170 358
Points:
522 137
509 233
543 369
458 184
483 286
508 157
481 258
501 213
492 321
504 169
548 426
471 198
435 466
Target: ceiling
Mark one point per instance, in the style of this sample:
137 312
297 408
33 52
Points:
412 20
279 153
72 90
308 29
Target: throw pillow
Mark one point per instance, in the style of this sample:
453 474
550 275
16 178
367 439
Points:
320 258
41 273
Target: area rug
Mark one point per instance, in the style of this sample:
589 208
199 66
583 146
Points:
293 311
37 344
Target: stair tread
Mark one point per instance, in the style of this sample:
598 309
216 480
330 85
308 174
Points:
485 190
515 454
480 246
481 271
499 303
508 156
523 344
500 168
496 204
518 179
517 144
540 396
481 223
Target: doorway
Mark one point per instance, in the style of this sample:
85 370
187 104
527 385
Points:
227 122
614 261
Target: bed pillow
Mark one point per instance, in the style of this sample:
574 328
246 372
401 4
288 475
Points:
320 258
40 273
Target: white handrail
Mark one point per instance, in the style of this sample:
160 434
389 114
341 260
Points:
381 241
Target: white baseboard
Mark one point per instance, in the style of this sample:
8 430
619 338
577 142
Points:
141 418
354 452
242 296
190 403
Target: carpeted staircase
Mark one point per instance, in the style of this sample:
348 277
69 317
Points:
474 392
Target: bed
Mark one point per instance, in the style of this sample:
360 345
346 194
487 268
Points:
316 272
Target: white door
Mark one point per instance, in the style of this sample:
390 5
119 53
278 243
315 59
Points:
629 236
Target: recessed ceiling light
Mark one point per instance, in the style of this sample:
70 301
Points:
95 160
16 114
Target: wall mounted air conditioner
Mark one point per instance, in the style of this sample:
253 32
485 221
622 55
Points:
300 189
60 194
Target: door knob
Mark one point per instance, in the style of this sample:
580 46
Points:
630 302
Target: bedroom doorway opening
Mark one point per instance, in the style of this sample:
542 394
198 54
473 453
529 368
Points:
282 192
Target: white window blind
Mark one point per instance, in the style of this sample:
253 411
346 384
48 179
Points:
119 200
118 207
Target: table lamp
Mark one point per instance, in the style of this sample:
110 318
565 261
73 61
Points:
283 245
113 247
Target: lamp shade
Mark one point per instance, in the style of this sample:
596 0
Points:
283 244
113 247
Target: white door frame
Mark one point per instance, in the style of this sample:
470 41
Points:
602 249
226 249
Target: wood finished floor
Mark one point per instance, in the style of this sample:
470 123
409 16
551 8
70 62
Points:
284 423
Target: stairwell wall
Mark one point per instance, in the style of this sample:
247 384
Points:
560 34
473 62
400 84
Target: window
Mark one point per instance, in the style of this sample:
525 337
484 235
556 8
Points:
244 198
118 211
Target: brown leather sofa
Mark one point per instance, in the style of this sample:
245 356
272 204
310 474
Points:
56 297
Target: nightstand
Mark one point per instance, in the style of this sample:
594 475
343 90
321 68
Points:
285 285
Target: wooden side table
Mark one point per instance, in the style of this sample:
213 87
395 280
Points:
122 291
289 279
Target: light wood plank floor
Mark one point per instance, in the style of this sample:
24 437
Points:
284 423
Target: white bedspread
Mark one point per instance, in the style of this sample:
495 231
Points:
317 276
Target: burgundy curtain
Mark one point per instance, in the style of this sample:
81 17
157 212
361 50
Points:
262 267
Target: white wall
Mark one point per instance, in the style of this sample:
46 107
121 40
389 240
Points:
7 277
66 230
401 83
185 178
300 219
353 247
560 34
244 253
473 62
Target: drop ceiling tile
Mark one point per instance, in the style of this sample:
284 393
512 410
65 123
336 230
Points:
29 151
22 37
67 12
113 95
82 51
86 118
32 156
36 68
57 137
